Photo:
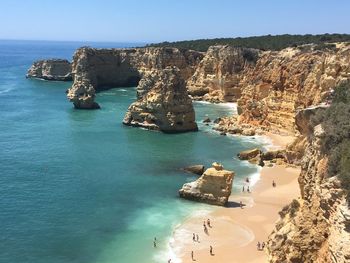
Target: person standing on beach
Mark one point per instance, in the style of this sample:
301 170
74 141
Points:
258 245
273 183
197 238
192 255
194 237
248 190
211 250
208 222
243 188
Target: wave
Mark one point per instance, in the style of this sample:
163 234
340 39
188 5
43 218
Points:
6 90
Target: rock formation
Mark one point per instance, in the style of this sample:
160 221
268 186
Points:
82 95
217 76
105 68
51 69
163 103
213 187
270 86
314 228
196 169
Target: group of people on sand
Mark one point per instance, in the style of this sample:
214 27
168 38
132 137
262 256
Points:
195 238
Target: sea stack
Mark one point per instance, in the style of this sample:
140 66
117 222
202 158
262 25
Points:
51 69
213 187
162 103
82 95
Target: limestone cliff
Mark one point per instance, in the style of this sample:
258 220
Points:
51 69
162 103
219 73
105 68
270 86
314 228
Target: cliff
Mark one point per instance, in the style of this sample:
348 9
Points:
218 75
270 86
162 103
105 68
314 228
51 69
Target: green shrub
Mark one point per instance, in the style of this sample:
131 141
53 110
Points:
267 42
336 143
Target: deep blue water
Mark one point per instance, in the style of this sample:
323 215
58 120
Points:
78 186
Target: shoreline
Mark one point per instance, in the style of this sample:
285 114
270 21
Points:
236 231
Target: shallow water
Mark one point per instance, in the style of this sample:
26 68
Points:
78 186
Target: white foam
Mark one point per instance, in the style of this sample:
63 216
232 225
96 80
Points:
6 90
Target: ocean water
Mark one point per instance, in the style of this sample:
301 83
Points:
78 186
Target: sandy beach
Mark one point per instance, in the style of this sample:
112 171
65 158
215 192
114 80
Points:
235 231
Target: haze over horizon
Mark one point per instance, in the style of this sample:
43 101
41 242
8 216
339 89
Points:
170 20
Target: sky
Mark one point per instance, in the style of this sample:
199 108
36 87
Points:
168 20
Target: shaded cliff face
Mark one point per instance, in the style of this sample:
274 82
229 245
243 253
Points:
314 228
51 69
163 103
104 68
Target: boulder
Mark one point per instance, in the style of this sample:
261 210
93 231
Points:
206 120
196 169
163 103
270 155
249 154
51 69
213 187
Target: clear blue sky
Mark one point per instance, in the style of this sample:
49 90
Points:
168 20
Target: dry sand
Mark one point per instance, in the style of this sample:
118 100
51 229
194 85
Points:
235 231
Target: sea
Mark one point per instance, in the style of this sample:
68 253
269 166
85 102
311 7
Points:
76 186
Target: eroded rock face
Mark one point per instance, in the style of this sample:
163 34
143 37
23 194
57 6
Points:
105 68
282 82
218 74
270 86
314 228
51 69
163 103
213 187
82 95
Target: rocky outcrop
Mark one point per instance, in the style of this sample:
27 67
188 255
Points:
195 169
51 69
213 187
314 228
82 95
163 103
105 68
249 154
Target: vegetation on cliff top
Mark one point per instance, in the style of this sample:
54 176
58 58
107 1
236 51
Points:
267 42
336 124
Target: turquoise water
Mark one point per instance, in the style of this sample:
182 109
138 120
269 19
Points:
78 186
